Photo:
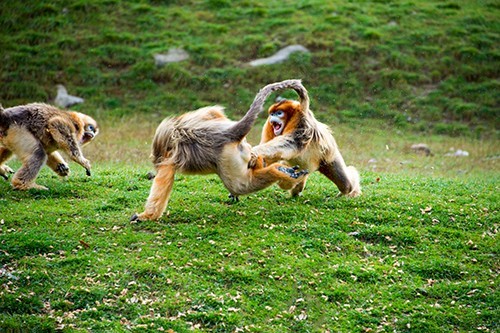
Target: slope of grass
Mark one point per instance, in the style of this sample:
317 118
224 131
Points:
426 65
418 251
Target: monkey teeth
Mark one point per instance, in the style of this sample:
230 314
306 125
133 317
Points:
87 137
277 127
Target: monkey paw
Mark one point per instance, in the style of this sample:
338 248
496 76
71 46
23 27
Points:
292 172
233 198
253 160
29 186
135 218
62 169
5 170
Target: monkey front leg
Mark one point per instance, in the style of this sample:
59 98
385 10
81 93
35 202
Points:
345 177
58 164
279 148
66 140
5 170
159 194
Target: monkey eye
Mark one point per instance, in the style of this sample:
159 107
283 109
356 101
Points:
278 113
91 128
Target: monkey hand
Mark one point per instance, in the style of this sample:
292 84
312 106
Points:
62 169
5 170
253 160
86 164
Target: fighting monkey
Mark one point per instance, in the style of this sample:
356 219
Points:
293 134
35 132
206 141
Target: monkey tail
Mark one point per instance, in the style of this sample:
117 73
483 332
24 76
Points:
303 97
239 130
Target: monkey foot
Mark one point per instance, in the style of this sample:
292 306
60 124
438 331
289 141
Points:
233 198
29 187
292 172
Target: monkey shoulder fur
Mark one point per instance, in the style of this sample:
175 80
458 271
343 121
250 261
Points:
35 132
205 141
293 134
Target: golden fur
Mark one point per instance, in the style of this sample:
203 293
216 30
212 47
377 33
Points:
205 141
35 132
308 143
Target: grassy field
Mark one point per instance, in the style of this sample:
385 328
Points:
417 252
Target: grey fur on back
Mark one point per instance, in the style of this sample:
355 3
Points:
33 116
194 140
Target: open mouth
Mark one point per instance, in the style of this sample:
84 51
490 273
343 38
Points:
87 137
277 127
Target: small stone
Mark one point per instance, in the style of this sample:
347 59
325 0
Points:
421 148
173 55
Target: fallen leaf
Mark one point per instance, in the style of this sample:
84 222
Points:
85 245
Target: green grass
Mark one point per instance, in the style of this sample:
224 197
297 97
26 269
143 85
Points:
414 253
417 252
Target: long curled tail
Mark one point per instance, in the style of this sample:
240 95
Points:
239 130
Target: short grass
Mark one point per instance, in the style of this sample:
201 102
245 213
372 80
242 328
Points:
417 252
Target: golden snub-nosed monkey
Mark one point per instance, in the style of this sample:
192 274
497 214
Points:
205 141
34 133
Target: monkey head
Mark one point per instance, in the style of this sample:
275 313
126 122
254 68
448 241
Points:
283 116
89 126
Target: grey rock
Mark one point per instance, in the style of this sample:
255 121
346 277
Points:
279 56
173 55
64 100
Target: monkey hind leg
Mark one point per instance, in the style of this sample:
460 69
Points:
32 155
288 177
346 178
24 178
159 194
264 177
355 182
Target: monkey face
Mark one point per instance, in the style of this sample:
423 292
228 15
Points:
89 134
277 121
283 116
90 129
